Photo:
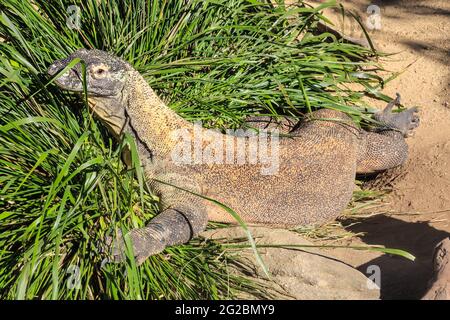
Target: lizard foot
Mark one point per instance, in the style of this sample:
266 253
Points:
404 122
144 246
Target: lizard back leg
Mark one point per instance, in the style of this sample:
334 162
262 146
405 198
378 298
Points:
386 147
380 151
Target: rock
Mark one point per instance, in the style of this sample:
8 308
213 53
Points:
439 287
300 273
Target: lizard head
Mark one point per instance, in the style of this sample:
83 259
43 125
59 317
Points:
106 77
105 74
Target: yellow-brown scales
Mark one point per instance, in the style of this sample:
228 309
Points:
312 183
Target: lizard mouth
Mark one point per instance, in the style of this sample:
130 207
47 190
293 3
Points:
70 80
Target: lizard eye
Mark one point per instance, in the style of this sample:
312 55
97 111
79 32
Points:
99 72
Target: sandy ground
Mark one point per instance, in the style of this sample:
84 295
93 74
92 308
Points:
417 212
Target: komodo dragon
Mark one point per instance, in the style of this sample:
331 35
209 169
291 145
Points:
313 183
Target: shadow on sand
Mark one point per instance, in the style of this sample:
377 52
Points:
401 278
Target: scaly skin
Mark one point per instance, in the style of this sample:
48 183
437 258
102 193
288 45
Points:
313 184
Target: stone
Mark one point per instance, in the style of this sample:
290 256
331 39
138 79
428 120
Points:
299 273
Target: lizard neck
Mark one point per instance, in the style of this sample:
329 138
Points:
151 121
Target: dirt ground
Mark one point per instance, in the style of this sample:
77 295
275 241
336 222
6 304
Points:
417 213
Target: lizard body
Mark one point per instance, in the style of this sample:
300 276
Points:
312 183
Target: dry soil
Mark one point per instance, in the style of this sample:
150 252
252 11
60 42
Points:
416 215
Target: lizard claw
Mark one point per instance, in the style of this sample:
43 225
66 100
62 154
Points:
143 246
404 122
105 246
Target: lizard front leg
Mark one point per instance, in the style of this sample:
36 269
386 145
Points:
175 225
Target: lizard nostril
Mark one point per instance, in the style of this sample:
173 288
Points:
52 70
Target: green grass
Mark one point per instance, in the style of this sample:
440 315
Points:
63 187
